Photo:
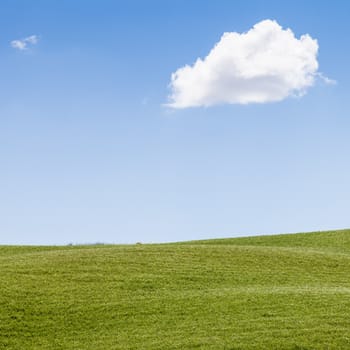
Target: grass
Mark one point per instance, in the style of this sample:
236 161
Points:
271 292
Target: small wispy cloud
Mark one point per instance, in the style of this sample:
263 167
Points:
327 80
23 44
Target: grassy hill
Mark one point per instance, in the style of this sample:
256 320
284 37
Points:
271 292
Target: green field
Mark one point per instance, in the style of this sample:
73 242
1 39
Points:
270 292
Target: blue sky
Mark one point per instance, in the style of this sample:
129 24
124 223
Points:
89 153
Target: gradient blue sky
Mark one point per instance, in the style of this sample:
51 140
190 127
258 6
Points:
89 153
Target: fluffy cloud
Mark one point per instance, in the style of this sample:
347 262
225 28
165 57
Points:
22 44
265 64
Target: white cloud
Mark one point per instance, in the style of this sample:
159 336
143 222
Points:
33 39
265 64
326 80
22 44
